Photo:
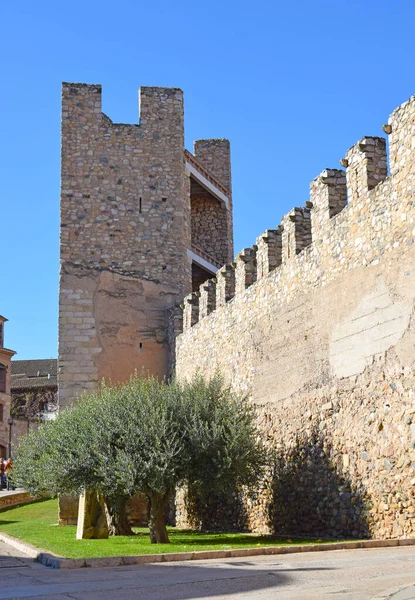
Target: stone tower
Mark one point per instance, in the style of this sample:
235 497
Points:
143 223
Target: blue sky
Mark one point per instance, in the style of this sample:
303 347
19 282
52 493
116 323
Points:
291 84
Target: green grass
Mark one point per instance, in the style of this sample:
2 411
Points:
36 523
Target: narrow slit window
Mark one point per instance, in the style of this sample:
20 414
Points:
140 206
3 374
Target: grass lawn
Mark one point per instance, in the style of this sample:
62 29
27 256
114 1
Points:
37 523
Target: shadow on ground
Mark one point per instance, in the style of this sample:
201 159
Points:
158 582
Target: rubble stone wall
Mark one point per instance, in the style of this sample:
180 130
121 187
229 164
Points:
209 227
316 323
125 230
215 155
5 401
125 236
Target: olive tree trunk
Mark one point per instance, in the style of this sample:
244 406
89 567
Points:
115 512
157 518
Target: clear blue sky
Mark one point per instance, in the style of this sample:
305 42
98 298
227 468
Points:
291 84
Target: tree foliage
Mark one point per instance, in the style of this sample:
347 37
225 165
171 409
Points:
145 436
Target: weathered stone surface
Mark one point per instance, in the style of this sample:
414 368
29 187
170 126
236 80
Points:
67 510
136 510
324 343
5 399
92 523
316 322
371 329
130 213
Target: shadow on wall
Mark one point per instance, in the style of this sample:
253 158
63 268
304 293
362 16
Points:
311 495
206 511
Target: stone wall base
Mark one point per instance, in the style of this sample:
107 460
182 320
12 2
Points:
343 464
136 510
67 510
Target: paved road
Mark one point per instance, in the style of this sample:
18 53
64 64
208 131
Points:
335 575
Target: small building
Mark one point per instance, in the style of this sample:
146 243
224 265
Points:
5 381
34 389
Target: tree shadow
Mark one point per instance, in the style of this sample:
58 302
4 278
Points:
313 495
175 581
216 512
3 522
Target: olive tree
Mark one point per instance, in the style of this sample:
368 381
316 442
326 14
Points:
144 436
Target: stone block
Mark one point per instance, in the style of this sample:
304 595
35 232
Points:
92 522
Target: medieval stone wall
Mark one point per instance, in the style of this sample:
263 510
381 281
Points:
315 322
125 230
215 156
5 394
125 235
210 227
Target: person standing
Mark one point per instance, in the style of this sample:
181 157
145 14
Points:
8 467
2 474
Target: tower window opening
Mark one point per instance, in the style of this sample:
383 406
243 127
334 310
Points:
3 374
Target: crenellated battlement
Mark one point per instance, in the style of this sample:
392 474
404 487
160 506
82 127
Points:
366 165
332 232
155 103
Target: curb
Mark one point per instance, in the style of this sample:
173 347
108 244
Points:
49 559
32 551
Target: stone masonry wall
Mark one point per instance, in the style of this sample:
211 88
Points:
209 227
125 230
215 155
125 233
316 322
5 399
6 430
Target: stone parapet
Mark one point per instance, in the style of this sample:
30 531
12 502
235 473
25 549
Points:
191 310
245 270
296 233
308 246
269 251
225 287
366 166
328 197
207 300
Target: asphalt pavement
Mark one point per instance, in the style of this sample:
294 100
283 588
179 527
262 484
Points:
386 573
